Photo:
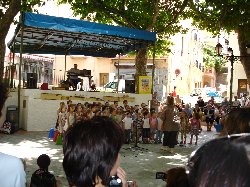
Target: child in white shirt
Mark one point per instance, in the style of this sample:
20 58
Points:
127 125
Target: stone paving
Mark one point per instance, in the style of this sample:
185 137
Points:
140 165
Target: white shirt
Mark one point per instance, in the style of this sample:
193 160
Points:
127 122
159 123
12 171
236 103
146 124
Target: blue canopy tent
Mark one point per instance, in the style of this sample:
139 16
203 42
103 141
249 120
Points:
43 34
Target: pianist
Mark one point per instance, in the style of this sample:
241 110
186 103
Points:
73 74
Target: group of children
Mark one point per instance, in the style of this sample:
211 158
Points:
139 123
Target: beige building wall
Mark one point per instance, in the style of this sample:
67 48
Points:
96 65
238 70
187 56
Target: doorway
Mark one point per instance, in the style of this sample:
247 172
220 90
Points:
104 79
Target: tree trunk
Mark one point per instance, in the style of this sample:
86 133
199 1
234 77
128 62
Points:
243 41
5 22
140 65
2 55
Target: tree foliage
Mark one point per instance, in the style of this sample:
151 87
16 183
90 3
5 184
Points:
211 59
9 9
228 15
159 16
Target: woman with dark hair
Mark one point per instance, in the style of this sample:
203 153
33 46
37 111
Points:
170 125
237 121
91 153
221 162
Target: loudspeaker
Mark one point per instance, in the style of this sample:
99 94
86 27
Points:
31 80
129 86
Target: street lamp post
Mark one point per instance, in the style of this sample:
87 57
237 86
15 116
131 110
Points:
231 58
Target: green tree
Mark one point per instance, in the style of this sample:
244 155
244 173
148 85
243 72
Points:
161 16
9 9
211 59
228 15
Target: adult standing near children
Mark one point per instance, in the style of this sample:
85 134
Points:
170 125
12 168
201 103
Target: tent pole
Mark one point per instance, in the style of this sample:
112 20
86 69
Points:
118 73
65 61
153 71
12 67
20 69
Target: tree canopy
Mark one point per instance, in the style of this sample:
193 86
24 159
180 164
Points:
161 16
211 59
9 9
228 15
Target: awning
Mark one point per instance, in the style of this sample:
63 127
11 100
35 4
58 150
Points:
45 34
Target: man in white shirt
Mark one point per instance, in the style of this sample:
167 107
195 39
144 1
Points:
12 168
236 102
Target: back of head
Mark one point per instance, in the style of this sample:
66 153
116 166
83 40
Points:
43 161
237 121
90 150
177 177
42 177
220 162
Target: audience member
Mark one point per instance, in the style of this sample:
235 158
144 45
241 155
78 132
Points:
42 177
12 168
91 153
221 162
237 121
177 177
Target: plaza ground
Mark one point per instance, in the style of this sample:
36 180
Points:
140 165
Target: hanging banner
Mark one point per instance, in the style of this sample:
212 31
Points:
145 84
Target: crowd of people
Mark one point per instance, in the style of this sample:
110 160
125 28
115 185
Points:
93 135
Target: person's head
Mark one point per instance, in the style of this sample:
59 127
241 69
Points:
106 112
196 106
43 161
128 114
153 114
225 98
187 106
69 102
3 96
212 98
72 108
221 162
91 151
183 114
116 103
170 100
75 66
235 97
199 97
237 121
209 106
79 108
177 177
146 114
196 115
63 108
125 102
